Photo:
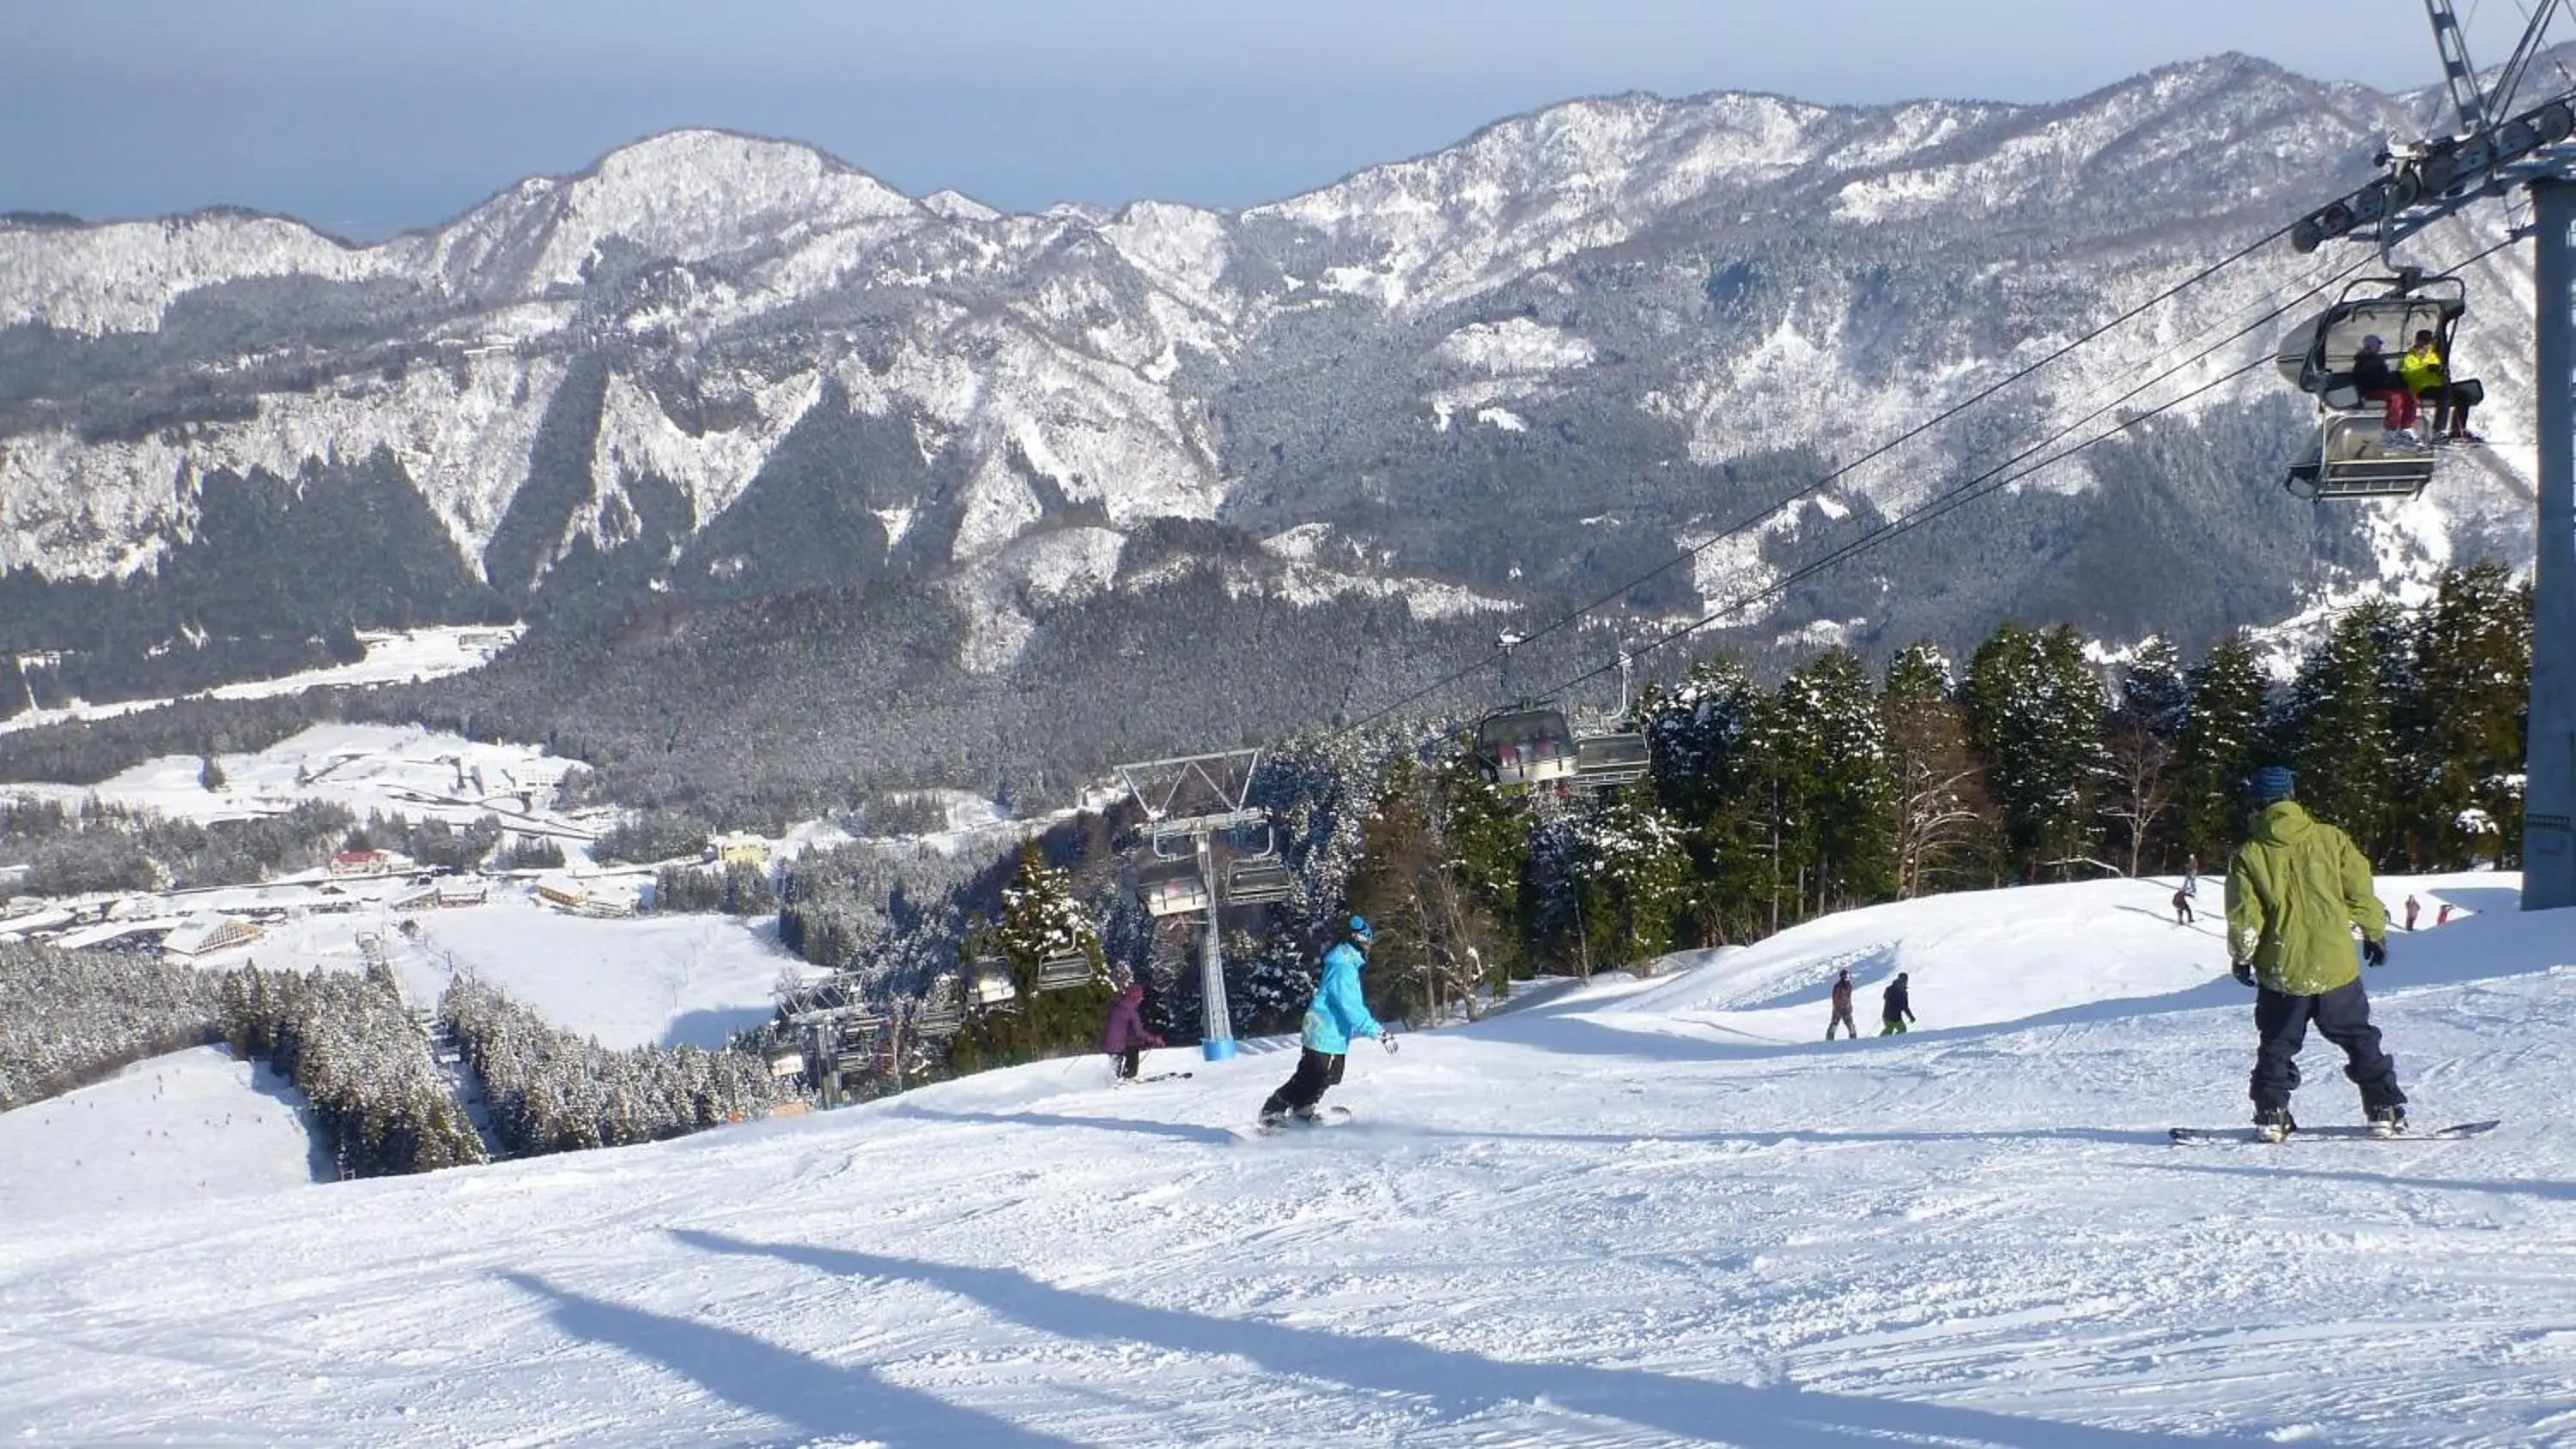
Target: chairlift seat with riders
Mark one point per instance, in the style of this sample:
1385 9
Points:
2348 456
1528 746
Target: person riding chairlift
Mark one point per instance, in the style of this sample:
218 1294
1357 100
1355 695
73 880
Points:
2377 381
2426 374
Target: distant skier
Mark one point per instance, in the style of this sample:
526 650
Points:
2412 906
1336 1015
2182 908
1842 1007
2444 918
1124 1035
2191 874
1894 1009
2294 891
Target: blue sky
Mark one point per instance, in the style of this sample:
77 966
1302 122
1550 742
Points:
365 116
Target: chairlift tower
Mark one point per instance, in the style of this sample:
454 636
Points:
1218 788
2422 184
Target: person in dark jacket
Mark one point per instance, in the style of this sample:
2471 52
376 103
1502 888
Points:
1894 1008
1336 1016
2182 908
2295 890
1124 1035
1842 1007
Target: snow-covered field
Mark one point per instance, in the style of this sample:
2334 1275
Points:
393 656
1621 1214
192 1127
399 769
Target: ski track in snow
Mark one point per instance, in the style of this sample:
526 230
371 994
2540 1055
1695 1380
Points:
1622 1214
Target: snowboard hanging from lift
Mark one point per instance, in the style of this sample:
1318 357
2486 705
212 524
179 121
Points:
2337 1133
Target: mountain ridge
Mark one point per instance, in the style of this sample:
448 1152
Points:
1523 368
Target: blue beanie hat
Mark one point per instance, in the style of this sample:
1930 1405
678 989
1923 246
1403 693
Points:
1360 931
2273 783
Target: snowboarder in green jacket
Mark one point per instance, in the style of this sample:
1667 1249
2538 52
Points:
2295 890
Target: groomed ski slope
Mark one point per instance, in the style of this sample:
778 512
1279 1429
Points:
1620 1215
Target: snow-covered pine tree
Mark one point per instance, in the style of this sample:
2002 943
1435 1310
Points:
1041 923
2337 734
2222 737
1633 869
2035 710
2473 682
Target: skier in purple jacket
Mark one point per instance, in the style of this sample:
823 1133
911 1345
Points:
1124 1035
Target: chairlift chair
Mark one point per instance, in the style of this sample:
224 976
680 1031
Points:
2348 457
1064 973
1528 746
1256 880
992 985
1610 759
1172 887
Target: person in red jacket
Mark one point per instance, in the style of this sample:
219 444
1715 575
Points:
1842 1007
1124 1035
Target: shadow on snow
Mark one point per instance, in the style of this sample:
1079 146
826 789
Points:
1458 1382
817 1398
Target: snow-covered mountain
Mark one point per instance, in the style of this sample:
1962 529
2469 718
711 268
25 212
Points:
715 366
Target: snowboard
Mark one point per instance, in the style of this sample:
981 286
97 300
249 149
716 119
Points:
1326 1117
2340 1132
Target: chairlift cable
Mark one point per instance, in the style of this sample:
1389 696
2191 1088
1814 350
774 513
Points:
2015 469
1756 518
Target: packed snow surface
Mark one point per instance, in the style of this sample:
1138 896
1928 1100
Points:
687 980
1618 1214
191 1127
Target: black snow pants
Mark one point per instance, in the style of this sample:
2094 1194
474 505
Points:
1316 1072
2342 1016
1128 1061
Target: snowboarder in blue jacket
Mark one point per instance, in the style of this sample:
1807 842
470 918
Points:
1336 1015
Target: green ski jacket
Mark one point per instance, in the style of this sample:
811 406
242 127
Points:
2294 892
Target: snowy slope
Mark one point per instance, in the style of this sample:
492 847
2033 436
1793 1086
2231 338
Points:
1624 1215
193 1127
392 655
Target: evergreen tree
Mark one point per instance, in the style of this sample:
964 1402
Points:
2338 735
1041 923
2035 711
1632 870
2465 729
2221 738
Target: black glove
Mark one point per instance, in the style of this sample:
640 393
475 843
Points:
1386 1039
2374 952
2244 973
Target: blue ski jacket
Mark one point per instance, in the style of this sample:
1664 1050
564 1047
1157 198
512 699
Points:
1338 1013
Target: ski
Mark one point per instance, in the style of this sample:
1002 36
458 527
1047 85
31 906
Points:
2338 1133
1156 1077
